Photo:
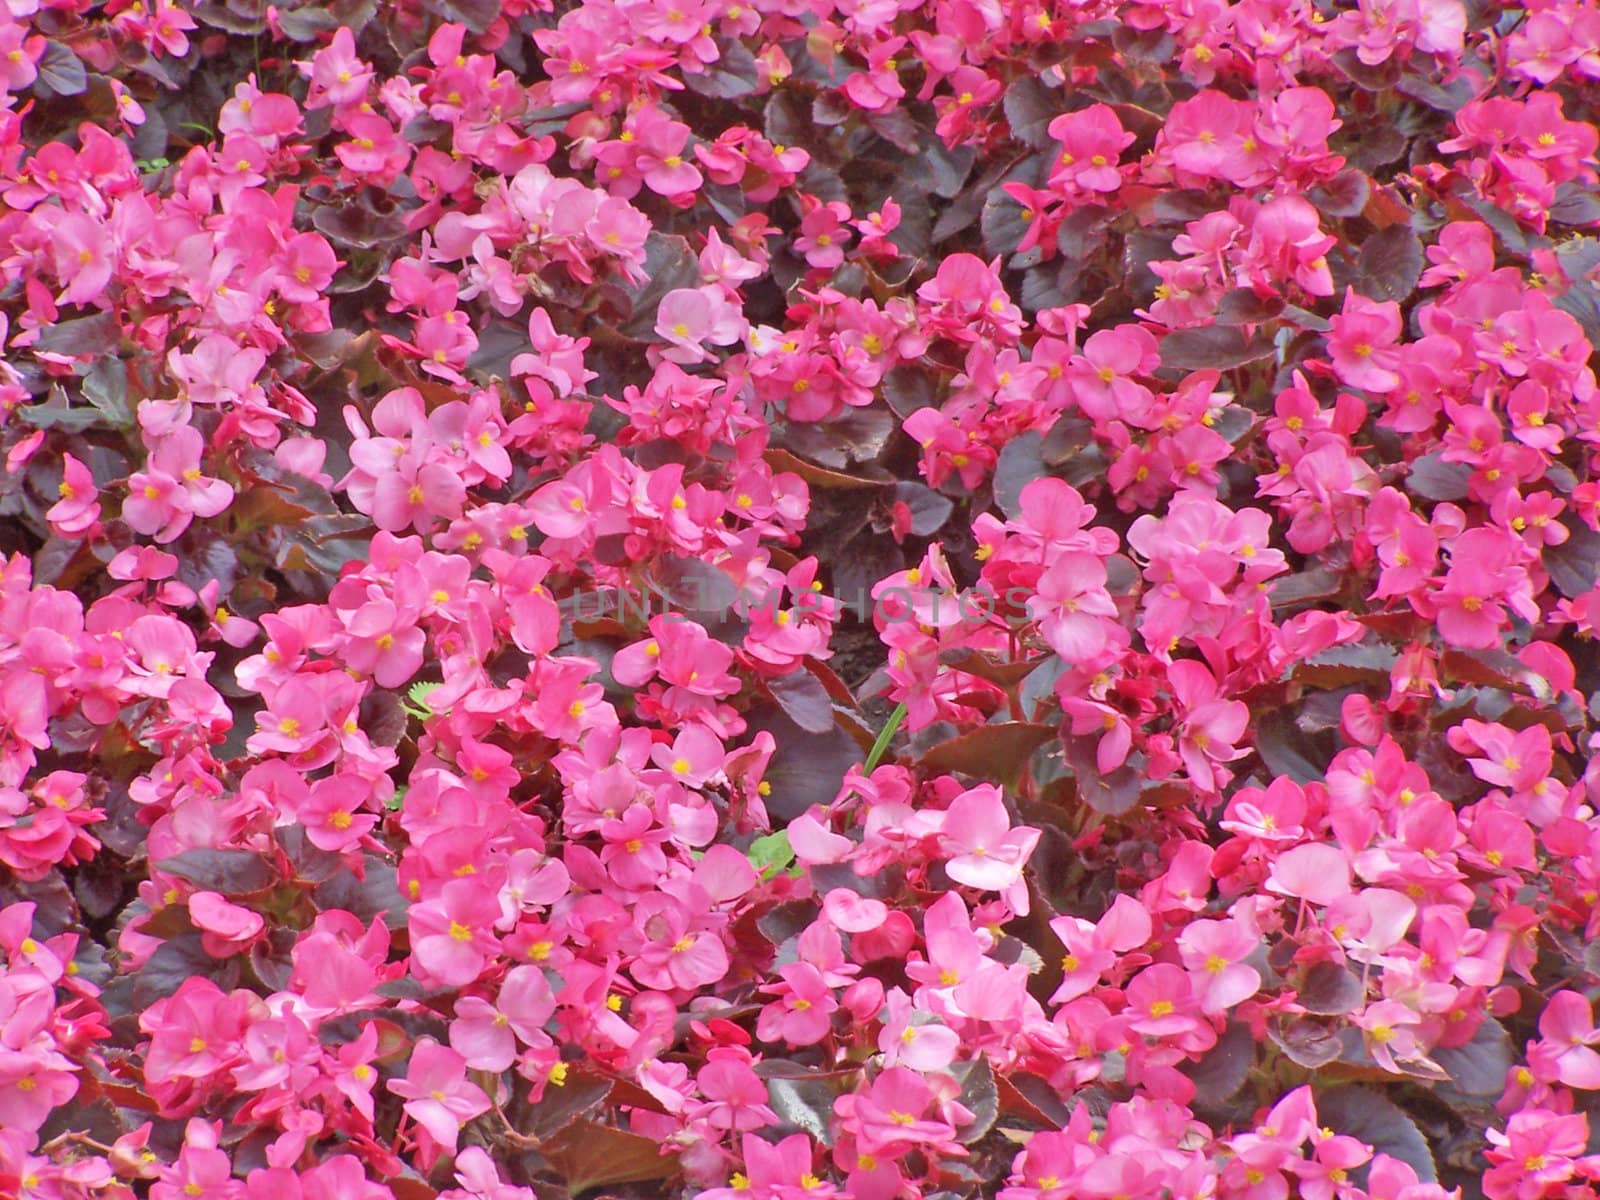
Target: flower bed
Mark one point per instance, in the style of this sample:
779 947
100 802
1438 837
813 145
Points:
771 601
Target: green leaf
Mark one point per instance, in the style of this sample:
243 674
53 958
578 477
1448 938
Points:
418 696
804 1104
57 416
106 387
771 854
83 337
885 736
1329 989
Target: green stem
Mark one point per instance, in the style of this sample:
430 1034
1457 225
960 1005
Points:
884 737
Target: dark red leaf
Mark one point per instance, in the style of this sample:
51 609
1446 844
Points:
1215 347
1389 265
589 1155
231 872
989 750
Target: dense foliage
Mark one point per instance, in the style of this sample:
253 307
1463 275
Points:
775 599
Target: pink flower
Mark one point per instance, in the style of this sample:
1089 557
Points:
1102 376
487 1035
660 159
888 1120
632 854
437 1094
689 317
78 510
1076 614
452 936
226 928
1364 343
19 56
736 1097
1536 1154
1206 135
1315 871
85 255
1161 1001
802 1013
1093 949
332 816
915 1039
1210 726
1212 951
1567 1030
676 954
1483 578
415 494
1092 141
1389 1026
824 234
337 76
165 498
306 267
878 88
985 851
